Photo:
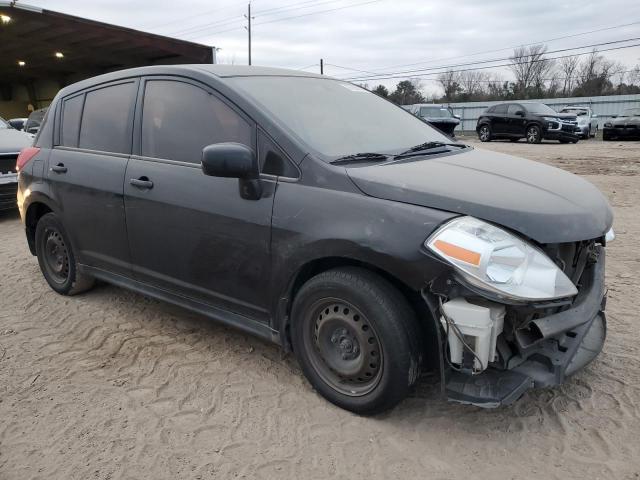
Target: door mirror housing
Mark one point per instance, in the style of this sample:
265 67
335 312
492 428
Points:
520 113
231 160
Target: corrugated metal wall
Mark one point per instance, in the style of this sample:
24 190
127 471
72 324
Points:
604 107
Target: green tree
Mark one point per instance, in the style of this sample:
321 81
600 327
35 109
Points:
407 93
381 90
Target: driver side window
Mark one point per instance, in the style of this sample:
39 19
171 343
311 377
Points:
180 119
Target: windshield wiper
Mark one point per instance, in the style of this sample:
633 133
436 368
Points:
360 157
428 146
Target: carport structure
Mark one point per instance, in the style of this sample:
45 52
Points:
41 51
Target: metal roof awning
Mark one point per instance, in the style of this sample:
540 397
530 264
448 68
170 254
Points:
37 43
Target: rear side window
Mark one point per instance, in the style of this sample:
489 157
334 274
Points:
500 109
179 120
106 120
71 113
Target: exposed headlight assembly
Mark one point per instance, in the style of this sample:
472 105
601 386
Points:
497 261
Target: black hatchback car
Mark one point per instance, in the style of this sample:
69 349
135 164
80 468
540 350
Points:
317 215
533 121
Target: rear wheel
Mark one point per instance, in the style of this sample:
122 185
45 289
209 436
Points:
356 339
484 134
56 258
534 134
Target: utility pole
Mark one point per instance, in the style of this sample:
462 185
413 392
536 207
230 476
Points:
321 66
248 27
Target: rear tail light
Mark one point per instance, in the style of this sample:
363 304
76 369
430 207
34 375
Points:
26 154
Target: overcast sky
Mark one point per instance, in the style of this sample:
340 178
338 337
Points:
374 36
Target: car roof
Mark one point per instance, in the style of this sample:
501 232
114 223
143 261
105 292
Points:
219 71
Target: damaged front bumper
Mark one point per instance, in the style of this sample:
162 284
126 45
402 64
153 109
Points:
544 352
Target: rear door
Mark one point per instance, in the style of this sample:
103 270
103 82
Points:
86 171
190 233
515 123
499 120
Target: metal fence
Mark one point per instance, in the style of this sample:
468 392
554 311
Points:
604 107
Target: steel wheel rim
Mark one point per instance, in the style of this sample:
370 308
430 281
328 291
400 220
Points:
532 134
343 347
484 133
56 256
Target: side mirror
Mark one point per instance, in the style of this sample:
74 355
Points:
614 115
520 113
457 117
232 160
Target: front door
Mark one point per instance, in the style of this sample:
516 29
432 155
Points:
86 172
190 233
499 120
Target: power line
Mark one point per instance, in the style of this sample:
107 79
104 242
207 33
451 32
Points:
479 62
268 12
198 15
296 16
508 48
488 67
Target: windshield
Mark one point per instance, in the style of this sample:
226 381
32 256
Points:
435 112
3 123
631 112
576 111
335 118
539 109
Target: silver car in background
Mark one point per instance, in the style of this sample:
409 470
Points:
587 120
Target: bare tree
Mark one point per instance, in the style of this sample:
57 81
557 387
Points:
595 75
567 67
530 67
472 82
450 82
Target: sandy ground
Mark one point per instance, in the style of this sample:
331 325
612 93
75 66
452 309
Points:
112 385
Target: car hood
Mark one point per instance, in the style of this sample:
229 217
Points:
12 141
541 202
625 120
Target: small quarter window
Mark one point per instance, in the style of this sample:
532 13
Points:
71 113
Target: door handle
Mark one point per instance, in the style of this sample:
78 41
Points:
142 182
59 168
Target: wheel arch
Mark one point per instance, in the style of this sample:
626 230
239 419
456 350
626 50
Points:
319 265
37 208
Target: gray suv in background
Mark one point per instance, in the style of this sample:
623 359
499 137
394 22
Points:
587 121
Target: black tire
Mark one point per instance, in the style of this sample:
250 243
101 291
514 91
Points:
484 133
533 134
331 314
56 258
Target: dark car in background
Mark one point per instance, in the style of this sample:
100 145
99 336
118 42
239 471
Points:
439 116
624 126
529 120
32 125
322 217
12 142
17 123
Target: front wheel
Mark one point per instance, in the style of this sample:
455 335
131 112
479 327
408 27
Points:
56 258
357 339
534 135
484 134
